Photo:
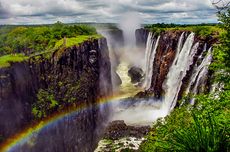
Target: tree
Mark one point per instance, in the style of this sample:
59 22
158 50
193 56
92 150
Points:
221 64
221 4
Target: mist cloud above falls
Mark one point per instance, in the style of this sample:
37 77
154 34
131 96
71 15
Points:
129 23
138 112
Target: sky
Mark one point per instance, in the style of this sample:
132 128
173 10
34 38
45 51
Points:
106 11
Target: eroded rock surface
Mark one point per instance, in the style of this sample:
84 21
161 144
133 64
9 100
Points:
136 74
118 137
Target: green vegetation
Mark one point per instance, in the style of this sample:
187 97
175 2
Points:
126 150
203 127
221 64
18 43
76 40
200 128
203 30
45 102
32 39
73 90
11 58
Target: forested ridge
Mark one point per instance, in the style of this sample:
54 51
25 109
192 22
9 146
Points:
31 39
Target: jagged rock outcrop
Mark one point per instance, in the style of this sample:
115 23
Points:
76 75
135 74
121 137
118 129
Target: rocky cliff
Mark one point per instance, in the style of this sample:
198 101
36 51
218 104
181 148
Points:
141 37
41 86
165 55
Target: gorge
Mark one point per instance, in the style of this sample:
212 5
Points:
87 87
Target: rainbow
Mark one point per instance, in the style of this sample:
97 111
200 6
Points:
27 133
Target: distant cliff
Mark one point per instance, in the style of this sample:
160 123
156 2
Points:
141 37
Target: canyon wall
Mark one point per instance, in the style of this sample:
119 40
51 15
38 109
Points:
115 40
165 53
71 76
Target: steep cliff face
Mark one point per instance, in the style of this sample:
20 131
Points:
141 37
165 53
17 95
164 56
115 39
72 76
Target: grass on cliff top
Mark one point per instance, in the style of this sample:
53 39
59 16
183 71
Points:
11 58
18 57
76 40
69 42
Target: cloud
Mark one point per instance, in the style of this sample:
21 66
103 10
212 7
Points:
151 11
3 12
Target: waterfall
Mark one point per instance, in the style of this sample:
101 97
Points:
199 75
151 47
181 64
199 72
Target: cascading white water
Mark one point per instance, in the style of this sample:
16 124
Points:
150 52
199 72
147 111
181 64
199 75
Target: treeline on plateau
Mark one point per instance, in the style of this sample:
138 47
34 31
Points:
173 25
31 39
202 30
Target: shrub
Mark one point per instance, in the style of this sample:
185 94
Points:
44 105
203 135
200 128
7 59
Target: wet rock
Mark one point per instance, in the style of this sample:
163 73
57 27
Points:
141 37
116 79
118 129
144 94
136 74
93 56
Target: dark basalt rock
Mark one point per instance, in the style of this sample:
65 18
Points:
141 37
164 57
144 94
136 74
118 129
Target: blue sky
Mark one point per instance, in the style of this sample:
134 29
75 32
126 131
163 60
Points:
69 11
